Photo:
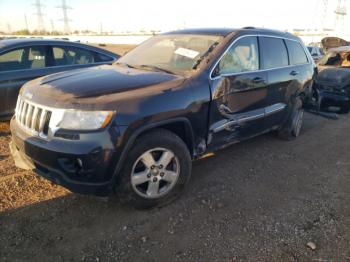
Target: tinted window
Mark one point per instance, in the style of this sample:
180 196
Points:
13 60
241 57
296 53
23 58
37 57
273 52
72 56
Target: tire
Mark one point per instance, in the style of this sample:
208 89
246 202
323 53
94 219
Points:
293 124
159 146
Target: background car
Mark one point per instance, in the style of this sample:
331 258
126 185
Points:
332 83
22 60
316 52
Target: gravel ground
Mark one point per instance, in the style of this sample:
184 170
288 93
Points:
261 200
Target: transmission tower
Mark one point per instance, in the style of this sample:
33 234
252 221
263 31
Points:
324 15
40 16
340 14
65 18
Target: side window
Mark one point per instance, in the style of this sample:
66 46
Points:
241 57
14 60
296 52
64 55
273 52
37 57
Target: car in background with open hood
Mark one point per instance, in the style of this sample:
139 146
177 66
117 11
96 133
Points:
332 83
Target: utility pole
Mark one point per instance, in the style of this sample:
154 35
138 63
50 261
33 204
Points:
9 30
52 26
340 14
40 15
65 18
26 22
101 28
324 15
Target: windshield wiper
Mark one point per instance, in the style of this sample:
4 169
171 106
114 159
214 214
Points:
157 68
200 59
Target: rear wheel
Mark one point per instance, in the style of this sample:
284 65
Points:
156 170
293 124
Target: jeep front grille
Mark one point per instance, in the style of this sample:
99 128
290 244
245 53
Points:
33 118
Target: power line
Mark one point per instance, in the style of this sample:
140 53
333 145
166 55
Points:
65 18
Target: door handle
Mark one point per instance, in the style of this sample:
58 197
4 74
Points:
294 73
258 80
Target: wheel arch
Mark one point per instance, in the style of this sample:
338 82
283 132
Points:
180 126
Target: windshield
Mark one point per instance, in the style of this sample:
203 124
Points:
178 54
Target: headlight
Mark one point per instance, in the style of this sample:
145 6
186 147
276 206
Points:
85 120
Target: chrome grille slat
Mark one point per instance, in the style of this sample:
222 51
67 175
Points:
24 111
20 109
33 118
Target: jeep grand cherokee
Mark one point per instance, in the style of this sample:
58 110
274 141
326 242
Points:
133 128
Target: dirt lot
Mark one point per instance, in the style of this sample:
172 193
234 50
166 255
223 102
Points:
262 200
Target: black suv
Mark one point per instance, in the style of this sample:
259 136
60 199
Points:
133 128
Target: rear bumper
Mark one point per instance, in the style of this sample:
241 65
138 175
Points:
83 166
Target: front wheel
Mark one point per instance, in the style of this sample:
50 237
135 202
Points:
294 122
156 170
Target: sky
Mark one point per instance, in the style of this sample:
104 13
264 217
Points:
135 15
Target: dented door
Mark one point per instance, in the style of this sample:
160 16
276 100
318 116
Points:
238 108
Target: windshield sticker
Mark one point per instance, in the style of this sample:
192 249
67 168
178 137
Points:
186 52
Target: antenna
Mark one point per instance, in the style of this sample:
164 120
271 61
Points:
65 18
40 16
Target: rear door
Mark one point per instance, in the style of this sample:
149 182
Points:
17 66
275 61
71 57
239 94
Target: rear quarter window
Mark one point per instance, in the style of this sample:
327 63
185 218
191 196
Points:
273 52
296 52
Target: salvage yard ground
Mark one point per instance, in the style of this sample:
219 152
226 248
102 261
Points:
261 200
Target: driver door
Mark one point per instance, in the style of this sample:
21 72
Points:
239 95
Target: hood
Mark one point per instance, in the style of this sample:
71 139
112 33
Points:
332 42
334 76
91 83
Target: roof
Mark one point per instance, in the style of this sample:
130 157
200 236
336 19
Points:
226 31
19 42
204 31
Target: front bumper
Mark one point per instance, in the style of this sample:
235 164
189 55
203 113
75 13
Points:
333 99
84 165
